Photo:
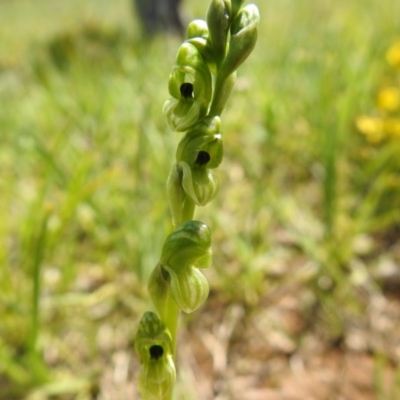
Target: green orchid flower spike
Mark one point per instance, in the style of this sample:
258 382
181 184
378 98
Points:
190 86
153 344
200 84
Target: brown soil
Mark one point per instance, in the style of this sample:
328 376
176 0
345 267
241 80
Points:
271 352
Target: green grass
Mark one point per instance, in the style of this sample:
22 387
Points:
85 153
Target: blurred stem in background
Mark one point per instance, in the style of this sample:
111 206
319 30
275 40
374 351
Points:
159 16
40 247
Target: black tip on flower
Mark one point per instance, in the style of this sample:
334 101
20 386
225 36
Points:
156 352
202 158
186 90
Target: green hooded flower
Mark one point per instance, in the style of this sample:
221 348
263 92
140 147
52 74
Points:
202 146
186 250
192 178
190 86
199 183
154 346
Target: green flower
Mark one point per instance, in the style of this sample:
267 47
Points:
200 184
190 86
154 346
188 186
186 250
202 146
192 179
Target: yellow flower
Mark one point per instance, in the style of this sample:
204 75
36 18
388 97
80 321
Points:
372 128
392 127
393 54
388 99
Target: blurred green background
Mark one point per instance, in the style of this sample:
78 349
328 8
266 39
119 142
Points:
309 204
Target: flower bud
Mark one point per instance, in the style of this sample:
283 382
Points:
218 21
185 250
198 36
202 146
190 86
154 346
236 6
244 32
197 29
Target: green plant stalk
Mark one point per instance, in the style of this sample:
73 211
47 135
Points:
171 320
329 185
167 308
396 384
36 283
188 210
380 364
223 89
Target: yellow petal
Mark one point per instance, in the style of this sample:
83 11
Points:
392 127
393 54
371 127
388 99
